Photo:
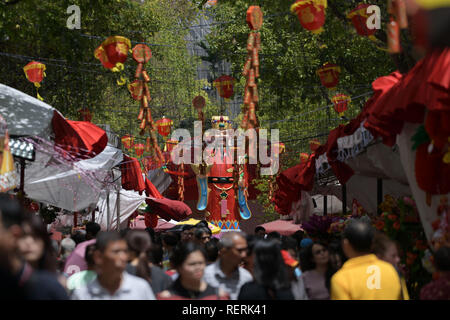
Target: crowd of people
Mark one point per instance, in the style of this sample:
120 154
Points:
193 264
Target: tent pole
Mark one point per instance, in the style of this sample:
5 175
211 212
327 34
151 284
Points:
344 199
325 205
379 194
118 209
107 210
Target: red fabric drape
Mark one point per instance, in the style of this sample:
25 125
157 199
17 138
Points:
82 140
132 178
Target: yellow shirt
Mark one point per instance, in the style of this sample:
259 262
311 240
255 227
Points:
366 278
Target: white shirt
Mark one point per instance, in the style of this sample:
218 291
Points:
131 288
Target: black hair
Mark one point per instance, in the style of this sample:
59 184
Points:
78 237
187 227
202 223
269 269
289 243
92 228
200 231
123 232
104 238
183 250
381 243
155 254
360 235
11 212
442 259
258 228
307 262
89 254
151 233
170 238
274 235
140 243
251 241
212 251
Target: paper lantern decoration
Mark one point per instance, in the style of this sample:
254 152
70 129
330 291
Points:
314 145
113 52
35 73
311 14
128 141
136 89
304 157
139 149
340 103
164 126
393 32
141 54
279 148
359 17
86 115
224 86
329 75
8 175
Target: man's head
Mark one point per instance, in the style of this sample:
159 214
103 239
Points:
12 217
442 259
111 253
357 238
187 233
202 235
260 231
233 249
92 229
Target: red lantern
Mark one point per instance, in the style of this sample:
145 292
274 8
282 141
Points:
311 14
254 17
85 115
35 73
151 220
139 149
329 75
113 52
340 103
225 85
128 141
164 126
359 18
314 145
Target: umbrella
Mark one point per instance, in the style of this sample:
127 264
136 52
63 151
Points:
76 262
193 222
139 223
284 227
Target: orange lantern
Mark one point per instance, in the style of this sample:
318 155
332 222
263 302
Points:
311 14
86 115
314 145
164 126
128 141
113 52
340 103
359 17
139 149
304 157
329 75
225 85
35 73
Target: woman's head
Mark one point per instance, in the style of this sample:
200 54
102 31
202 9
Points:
385 249
189 259
269 269
139 245
35 245
313 256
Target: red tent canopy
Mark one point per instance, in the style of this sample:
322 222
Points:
81 139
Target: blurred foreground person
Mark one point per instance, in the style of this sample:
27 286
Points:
139 246
363 276
18 279
83 278
189 259
271 277
439 289
297 285
112 282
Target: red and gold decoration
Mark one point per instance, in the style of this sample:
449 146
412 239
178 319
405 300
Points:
139 149
164 126
128 141
35 73
359 17
398 20
340 103
199 103
311 14
225 86
251 68
85 114
304 157
113 52
329 75
314 144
